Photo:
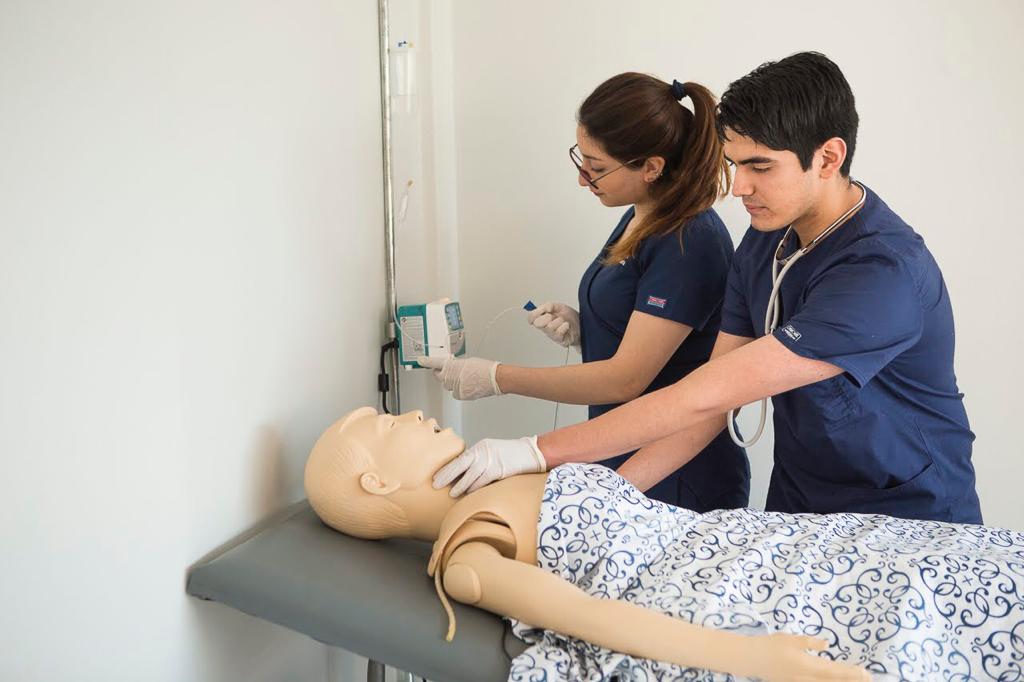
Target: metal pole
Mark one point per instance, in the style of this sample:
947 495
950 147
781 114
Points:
389 203
374 671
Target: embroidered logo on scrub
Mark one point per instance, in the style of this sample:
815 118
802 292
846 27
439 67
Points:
790 331
656 302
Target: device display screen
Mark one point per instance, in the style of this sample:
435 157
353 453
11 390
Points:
454 316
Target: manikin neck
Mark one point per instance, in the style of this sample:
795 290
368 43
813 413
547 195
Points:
425 508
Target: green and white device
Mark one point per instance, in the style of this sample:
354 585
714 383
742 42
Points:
433 329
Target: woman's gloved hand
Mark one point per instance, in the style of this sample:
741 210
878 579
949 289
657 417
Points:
491 460
561 323
466 378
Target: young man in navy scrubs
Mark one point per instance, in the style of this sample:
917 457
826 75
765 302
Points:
868 417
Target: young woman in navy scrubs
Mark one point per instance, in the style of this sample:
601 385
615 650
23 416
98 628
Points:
650 303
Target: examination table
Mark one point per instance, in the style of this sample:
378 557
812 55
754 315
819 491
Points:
373 598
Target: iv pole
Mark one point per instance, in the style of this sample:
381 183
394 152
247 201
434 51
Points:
391 332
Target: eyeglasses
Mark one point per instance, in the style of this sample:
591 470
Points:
577 160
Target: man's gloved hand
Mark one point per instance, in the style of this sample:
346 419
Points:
561 323
466 378
491 460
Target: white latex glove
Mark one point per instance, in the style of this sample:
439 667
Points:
466 378
561 323
491 460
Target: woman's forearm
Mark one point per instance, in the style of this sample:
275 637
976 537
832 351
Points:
589 383
646 346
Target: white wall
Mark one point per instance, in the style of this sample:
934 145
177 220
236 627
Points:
939 96
191 268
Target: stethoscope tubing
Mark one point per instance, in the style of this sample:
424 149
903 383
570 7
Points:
774 310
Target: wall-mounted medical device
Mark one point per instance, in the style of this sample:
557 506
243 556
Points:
432 329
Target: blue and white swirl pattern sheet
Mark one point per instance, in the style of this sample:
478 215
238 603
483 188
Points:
908 600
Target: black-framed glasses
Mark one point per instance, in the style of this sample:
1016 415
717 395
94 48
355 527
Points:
577 160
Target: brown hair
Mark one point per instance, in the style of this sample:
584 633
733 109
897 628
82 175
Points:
635 116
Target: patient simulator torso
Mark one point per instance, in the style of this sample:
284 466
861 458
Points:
503 514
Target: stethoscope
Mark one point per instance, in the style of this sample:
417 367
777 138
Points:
771 315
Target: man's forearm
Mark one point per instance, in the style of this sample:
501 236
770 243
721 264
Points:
628 427
757 369
654 462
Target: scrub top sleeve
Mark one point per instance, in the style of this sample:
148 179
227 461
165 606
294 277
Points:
683 285
735 309
858 315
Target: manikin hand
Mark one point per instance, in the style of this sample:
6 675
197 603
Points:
491 460
558 321
783 657
466 378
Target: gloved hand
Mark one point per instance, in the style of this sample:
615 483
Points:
561 323
491 460
466 378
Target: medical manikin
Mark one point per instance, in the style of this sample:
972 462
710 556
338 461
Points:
604 582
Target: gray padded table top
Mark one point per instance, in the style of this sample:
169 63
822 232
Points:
370 597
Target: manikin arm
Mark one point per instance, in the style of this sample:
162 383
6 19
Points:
478 574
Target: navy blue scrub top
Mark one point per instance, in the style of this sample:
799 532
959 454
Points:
685 283
890 435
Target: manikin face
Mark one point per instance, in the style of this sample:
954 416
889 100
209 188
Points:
406 447
622 187
775 190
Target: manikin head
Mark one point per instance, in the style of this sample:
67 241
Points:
369 475
790 128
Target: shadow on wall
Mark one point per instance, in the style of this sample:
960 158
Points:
229 645
271 479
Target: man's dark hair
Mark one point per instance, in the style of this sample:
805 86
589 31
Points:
794 104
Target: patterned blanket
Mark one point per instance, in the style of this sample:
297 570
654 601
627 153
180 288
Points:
909 600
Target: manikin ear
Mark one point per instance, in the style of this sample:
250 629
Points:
832 155
372 483
652 168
